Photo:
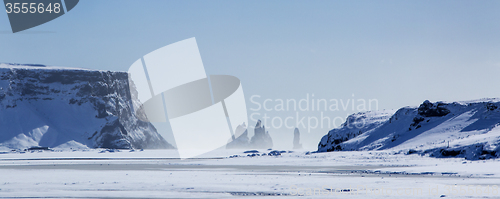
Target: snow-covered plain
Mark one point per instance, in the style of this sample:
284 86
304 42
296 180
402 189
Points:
99 173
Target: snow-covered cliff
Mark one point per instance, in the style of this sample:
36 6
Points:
459 129
51 106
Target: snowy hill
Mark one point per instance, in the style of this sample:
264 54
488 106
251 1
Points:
459 129
54 106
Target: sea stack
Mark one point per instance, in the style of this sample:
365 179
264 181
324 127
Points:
261 138
296 139
240 140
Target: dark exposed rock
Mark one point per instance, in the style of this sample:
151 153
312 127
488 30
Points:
428 109
491 106
417 120
275 153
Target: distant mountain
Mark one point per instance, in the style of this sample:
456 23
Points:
54 106
459 129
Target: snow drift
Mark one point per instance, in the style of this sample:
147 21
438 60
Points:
52 106
459 129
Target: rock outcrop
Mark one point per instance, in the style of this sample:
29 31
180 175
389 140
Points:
240 140
296 139
261 138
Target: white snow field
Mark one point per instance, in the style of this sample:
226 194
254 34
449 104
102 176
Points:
98 173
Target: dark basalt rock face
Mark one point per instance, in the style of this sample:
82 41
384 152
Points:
428 109
91 107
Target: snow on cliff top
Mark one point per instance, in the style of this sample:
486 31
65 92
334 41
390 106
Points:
40 67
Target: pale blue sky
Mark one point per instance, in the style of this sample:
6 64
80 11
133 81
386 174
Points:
399 52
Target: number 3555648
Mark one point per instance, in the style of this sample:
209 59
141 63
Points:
32 8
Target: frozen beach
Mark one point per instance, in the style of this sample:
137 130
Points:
221 174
